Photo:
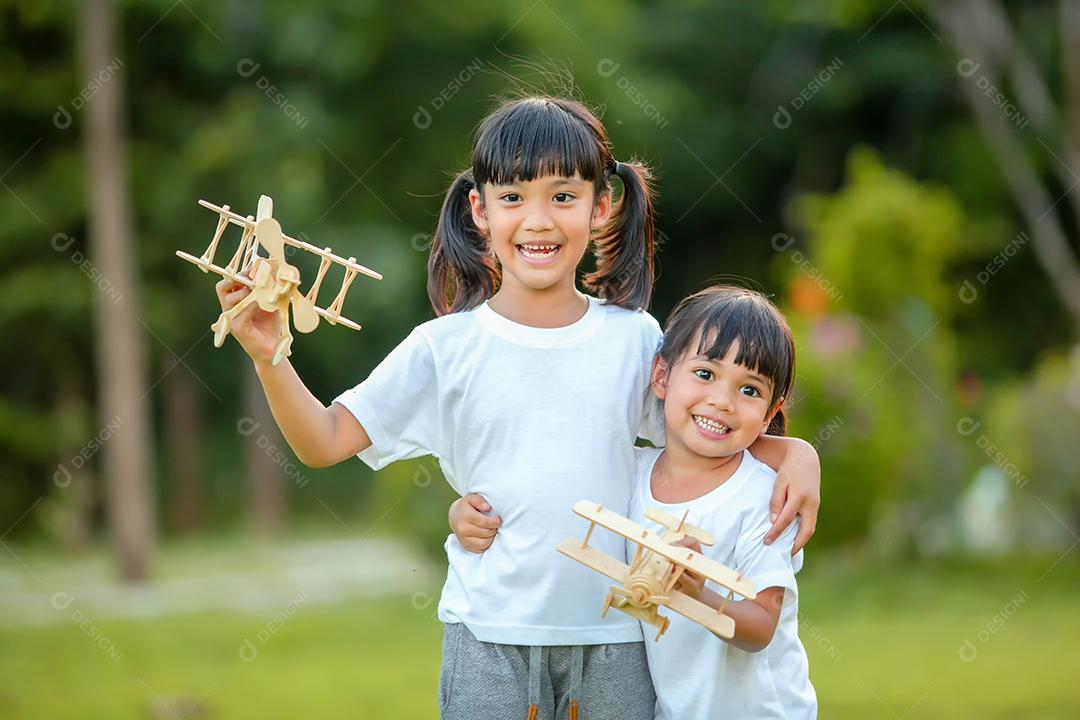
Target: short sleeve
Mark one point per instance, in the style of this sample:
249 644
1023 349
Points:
652 420
652 411
764 565
398 404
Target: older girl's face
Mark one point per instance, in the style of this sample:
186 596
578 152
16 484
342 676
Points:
540 229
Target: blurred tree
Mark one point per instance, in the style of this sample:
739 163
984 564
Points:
185 463
353 116
1031 429
988 48
872 308
265 478
128 454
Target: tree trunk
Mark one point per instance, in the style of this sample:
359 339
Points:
120 352
979 31
73 481
266 477
183 433
1070 62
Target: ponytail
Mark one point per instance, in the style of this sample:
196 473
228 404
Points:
462 273
624 248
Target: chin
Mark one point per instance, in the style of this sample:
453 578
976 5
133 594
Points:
542 280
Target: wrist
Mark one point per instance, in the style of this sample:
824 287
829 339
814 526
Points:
265 366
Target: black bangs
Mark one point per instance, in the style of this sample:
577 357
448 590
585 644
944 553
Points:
540 136
720 316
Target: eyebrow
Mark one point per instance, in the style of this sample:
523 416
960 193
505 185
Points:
753 375
574 182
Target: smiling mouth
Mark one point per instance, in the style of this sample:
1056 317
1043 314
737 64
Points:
711 427
539 251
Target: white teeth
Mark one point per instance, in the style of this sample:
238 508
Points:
710 425
540 248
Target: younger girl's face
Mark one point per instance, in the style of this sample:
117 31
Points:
539 229
713 408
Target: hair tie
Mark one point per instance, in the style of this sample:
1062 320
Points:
614 167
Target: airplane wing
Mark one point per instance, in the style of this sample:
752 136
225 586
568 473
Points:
691 560
597 560
668 520
701 613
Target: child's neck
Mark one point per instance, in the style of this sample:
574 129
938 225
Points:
681 475
553 307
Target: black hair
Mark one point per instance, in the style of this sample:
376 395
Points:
723 314
523 140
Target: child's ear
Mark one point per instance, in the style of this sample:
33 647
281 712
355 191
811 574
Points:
479 214
602 210
770 415
658 379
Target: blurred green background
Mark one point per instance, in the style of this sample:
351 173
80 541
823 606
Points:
899 176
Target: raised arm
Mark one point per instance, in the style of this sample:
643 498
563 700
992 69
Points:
320 436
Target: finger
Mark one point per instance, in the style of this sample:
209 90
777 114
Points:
806 531
487 522
477 545
246 316
782 521
779 495
471 513
474 531
231 296
477 501
689 543
227 285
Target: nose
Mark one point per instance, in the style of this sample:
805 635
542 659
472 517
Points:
537 220
721 397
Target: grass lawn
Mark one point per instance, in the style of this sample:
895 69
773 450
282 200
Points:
888 644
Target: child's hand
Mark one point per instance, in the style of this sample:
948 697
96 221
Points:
690 582
797 492
473 529
255 329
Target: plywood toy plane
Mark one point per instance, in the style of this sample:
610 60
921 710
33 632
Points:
649 581
274 283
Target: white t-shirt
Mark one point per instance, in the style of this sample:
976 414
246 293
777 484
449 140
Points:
534 419
697 675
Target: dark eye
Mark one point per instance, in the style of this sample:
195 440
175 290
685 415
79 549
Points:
703 373
563 197
750 390
510 197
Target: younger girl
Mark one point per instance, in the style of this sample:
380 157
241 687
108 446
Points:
723 373
527 391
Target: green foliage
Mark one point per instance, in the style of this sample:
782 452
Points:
314 105
871 304
1034 424
885 238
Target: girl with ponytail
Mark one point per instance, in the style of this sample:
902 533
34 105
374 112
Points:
519 146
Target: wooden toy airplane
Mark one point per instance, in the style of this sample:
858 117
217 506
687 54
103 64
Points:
649 581
274 283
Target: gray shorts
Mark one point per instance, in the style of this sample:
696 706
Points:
516 682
